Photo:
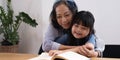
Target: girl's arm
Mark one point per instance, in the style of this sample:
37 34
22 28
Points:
99 44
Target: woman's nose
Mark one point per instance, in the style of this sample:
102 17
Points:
64 20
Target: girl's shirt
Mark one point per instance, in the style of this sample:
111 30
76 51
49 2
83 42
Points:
72 41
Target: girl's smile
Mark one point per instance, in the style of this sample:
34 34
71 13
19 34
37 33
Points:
80 31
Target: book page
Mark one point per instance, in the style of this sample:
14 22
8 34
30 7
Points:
73 56
67 56
43 56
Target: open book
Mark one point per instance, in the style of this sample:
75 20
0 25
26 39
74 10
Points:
64 56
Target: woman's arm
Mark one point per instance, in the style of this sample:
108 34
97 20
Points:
56 52
49 40
64 47
83 50
100 46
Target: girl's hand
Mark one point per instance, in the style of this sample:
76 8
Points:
89 46
87 50
55 52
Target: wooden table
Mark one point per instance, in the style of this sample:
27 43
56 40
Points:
105 59
16 56
21 56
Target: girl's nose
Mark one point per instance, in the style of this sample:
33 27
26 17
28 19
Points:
79 29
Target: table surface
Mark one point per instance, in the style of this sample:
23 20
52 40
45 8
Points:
105 59
16 56
21 56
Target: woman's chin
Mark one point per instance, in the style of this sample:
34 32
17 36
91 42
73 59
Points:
66 27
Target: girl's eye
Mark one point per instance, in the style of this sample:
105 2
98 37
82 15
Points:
76 25
84 28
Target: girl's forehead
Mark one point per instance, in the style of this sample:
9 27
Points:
78 22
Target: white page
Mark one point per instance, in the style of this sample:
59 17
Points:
73 56
43 56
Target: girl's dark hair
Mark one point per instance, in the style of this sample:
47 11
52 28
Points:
86 19
69 3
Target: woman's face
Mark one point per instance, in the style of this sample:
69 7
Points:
79 31
63 16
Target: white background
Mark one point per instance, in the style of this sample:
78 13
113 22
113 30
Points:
106 13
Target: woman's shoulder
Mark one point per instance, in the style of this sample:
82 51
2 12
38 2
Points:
50 26
52 29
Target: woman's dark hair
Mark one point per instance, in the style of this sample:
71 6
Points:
69 3
86 19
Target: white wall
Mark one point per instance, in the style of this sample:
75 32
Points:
30 37
106 13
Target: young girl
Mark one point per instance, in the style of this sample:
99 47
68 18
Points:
82 28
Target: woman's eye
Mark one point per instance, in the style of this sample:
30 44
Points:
58 17
67 15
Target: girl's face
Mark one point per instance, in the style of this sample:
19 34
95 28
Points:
79 31
63 16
